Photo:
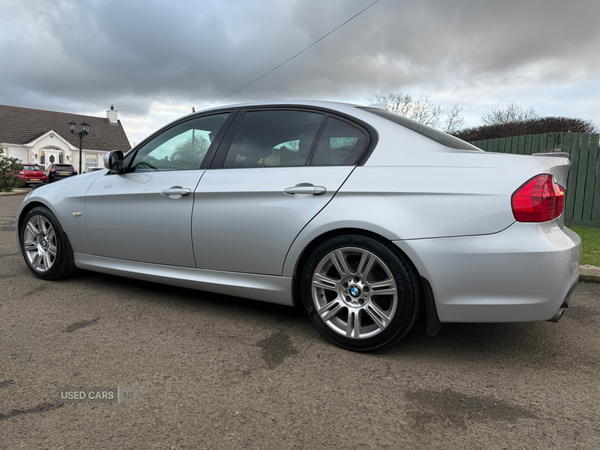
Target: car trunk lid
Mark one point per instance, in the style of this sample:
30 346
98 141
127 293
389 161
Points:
559 165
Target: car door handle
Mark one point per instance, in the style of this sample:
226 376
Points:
305 188
176 192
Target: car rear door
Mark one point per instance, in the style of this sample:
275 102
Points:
145 214
276 170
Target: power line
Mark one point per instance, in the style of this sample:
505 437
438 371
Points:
297 54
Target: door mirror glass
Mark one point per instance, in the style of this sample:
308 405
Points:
113 161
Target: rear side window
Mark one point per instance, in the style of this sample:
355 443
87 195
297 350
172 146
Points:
340 144
273 139
435 135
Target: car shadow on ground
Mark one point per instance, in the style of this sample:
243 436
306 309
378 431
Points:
536 343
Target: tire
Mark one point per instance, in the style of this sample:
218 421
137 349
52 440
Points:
44 245
360 293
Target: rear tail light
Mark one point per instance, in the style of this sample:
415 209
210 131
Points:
21 173
538 200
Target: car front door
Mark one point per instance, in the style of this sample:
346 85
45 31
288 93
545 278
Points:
145 214
281 168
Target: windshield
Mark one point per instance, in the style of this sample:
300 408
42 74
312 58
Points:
435 135
30 167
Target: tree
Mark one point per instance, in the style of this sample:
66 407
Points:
524 127
513 112
190 153
9 173
187 153
454 118
423 110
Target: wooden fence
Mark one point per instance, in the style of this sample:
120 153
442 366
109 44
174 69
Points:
582 206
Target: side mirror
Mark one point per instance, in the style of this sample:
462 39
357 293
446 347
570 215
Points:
113 161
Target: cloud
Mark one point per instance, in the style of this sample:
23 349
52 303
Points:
83 56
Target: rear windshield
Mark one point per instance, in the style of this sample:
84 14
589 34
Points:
63 167
435 135
29 167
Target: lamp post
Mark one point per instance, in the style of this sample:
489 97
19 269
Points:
85 129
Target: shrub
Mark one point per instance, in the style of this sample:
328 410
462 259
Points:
9 173
524 127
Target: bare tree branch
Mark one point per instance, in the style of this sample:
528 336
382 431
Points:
454 118
423 110
513 112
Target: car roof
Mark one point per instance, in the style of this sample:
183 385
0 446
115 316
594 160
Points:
395 142
336 106
348 109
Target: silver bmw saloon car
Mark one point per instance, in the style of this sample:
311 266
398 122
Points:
363 218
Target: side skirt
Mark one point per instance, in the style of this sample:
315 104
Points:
266 288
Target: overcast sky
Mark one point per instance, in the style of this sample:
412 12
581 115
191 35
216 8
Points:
154 59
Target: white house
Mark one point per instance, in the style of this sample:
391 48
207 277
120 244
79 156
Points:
44 137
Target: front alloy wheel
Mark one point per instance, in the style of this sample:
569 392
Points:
360 292
39 243
44 245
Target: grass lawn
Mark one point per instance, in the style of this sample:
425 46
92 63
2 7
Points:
590 244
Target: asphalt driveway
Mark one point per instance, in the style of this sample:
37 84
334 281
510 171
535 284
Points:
212 371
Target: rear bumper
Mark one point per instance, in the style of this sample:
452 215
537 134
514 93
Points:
524 273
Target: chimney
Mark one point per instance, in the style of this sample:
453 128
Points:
111 115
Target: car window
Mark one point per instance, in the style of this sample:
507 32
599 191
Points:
182 147
64 167
340 144
273 139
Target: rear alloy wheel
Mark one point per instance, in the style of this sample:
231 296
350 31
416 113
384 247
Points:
360 293
44 245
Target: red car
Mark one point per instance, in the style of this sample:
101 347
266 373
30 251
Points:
59 171
32 174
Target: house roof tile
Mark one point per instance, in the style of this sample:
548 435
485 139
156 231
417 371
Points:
22 125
